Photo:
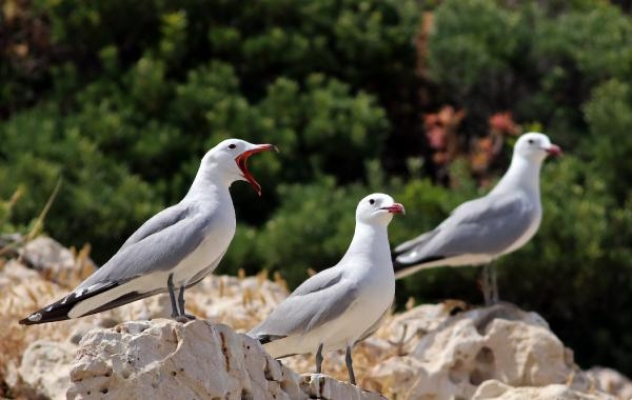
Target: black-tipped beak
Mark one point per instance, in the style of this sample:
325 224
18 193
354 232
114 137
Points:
242 163
396 208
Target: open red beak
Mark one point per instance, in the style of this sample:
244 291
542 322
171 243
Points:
242 163
554 151
396 208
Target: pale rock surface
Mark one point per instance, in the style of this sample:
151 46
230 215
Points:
45 368
225 299
54 261
406 329
495 390
317 386
427 352
163 359
500 342
611 381
14 275
238 302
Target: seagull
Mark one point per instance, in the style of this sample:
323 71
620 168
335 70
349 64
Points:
481 230
344 304
175 248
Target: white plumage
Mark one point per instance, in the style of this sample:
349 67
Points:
341 305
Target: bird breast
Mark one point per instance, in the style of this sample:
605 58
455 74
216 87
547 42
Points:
375 294
528 233
208 253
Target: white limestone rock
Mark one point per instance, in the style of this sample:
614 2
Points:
163 359
55 261
500 342
611 381
317 386
45 369
495 390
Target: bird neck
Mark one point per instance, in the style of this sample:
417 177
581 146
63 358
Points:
369 242
209 183
523 174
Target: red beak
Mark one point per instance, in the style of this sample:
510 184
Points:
242 163
554 151
396 208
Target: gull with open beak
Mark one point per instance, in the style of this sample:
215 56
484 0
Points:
344 304
481 230
174 249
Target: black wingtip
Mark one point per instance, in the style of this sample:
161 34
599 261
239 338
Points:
263 339
40 318
57 311
27 321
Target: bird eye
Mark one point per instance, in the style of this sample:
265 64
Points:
232 146
371 201
530 141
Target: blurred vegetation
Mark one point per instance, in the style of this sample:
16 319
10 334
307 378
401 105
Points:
423 102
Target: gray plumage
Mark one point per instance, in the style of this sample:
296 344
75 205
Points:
341 305
481 230
489 225
159 244
317 301
174 249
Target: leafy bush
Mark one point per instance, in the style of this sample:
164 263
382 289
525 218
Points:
140 95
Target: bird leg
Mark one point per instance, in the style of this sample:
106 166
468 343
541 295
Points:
486 290
183 317
494 285
490 287
172 295
319 358
349 363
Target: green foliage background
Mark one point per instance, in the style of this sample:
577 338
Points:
122 99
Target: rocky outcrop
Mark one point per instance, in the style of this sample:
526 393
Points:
429 352
501 343
54 261
164 359
45 369
611 381
494 390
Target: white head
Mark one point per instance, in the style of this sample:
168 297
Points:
378 208
535 147
229 159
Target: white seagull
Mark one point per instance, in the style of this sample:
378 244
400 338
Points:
481 230
344 304
176 248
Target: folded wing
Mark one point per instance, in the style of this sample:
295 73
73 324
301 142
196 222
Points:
154 247
489 225
319 300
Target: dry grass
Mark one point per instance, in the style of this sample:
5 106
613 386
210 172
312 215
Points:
240 302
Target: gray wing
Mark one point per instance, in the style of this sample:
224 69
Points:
410 244
167 217
159 245
320 299
488 225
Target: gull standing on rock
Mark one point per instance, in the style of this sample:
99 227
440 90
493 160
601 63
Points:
344 304
176 248
481 230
